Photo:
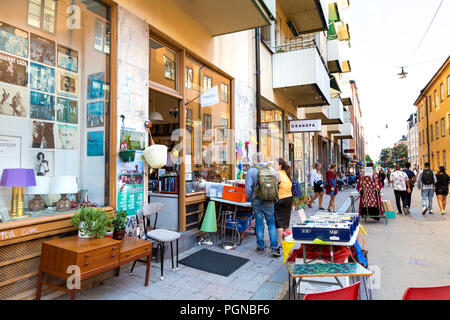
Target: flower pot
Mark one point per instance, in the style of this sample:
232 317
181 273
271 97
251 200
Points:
109 234
156 156
119 234
81 233
127 155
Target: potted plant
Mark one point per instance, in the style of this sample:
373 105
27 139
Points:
119 223
91 222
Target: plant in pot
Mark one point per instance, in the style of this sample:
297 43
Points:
119 223
91 222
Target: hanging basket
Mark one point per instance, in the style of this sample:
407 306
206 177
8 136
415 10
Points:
156 156
127 155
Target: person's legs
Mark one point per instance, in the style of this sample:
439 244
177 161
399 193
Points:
439 199
268 212
320 199
408 198
444 202
397 194
278 220
430 199
404 195
332 203
259 223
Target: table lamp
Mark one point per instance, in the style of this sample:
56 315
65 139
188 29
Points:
209 223
42 187
63 185
17 179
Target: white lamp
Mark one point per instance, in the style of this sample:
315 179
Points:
42 187
63 185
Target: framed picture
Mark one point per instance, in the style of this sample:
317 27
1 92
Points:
13 70
42 161
42 78
66 110
13 100
95 114
68 84
95 143
66 136
42 106
67 58
96 85
42 50
42 136
13 40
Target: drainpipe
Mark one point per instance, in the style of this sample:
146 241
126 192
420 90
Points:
426 114
258 87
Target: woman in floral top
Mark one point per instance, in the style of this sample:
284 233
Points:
370 201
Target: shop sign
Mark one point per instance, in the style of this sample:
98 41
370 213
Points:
305 125
210 97
349 151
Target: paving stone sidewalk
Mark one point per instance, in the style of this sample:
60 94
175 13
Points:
262 278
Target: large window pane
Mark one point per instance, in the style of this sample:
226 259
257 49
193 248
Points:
163 65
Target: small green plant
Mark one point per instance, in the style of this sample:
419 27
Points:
120 220
92 222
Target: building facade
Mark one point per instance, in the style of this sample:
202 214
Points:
412 140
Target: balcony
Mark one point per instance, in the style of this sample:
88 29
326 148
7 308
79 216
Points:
346 66
334 129
343 32
300 73
346 127
223 17
306 15
335 112
334 61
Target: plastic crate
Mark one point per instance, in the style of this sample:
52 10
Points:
390 215
235 194
242 222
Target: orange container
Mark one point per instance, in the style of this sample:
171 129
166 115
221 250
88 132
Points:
235 194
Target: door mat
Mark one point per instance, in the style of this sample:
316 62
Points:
214 262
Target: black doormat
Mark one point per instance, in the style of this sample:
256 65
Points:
214 262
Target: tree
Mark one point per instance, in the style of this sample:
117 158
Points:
400 152
368 158
385 156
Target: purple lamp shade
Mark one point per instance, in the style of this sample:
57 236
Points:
18 178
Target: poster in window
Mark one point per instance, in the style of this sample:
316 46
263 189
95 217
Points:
13 70
42 78
67 58
169 68
13 40
95 114
95 143
130 185
96 85
42 135
42 50
66 110
13 100
68 84
42 161
66 137
42 106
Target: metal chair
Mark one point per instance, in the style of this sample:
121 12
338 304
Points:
347 293
161 236
427 293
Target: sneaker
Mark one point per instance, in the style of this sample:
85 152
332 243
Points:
260 250
431 212
276 252
424 210
400 213
442 212
406 210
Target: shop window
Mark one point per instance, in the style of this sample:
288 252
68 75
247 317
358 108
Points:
271 133
163 66
102 39
42 14
224 92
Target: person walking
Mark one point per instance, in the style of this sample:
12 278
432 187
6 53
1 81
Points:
331 187
382 176
317 184
283 206
388 175
425 182
370 199
400 184
261 188
412 179
442 188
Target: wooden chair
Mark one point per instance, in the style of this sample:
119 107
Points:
347 293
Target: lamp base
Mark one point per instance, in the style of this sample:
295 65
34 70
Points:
63 204
21 216
36 204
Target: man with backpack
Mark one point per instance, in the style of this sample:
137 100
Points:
412 179
425 182
261 187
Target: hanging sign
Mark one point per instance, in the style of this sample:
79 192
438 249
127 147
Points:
349 150
210 97
305 125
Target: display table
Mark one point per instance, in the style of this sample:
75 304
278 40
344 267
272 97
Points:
92 256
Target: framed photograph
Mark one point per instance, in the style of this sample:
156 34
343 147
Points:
13 70
67 58
68 84
96 85
95 143
42 161
66 136
42 136
13 100
42 78
95 114
66 110
13 40
42 106
42 50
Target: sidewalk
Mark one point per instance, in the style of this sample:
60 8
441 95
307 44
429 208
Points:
262 278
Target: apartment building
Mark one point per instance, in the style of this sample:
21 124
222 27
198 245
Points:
412 140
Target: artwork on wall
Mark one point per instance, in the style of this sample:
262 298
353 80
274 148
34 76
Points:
13 100
42 78
42 106
42 50
67 84
42 161
136 139
13 40
95 85
66 136
66 110
42 135
95 114
67 58
95 143
130 185
13 70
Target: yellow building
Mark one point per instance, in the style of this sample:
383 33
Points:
433 119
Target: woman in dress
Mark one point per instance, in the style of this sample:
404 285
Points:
442 188
283 206
370 200
331 187
317 184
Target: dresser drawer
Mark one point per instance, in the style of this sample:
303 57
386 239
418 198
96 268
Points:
99 258
135 252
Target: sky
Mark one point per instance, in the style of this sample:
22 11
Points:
384 35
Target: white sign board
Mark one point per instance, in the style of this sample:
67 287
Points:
210 97
305 125
368 171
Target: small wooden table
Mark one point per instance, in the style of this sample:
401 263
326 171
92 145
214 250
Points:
91 256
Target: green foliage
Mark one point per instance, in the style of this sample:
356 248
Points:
399 152
385 156
368 158
120 220
96 222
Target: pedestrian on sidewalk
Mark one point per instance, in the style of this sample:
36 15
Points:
388 174
283 206
331 187
382 176
317 183
261 187
425 182
442 188
412 179
400 184
370 200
